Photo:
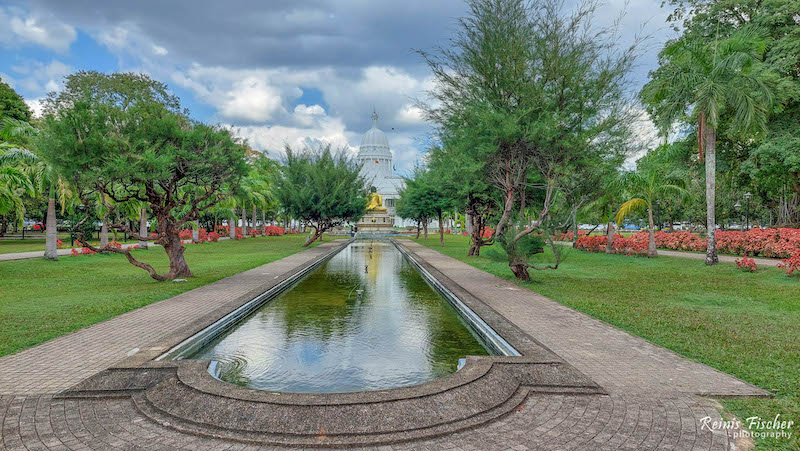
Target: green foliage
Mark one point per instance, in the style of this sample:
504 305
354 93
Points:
422 198
322 188
12 105
120 139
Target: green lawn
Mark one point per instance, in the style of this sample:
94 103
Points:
37 244
41 299
745 324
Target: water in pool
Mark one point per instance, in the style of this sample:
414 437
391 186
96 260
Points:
365 320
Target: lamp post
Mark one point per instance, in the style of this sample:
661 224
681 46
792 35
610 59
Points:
747 197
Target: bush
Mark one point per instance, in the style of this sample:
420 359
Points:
633 245
746 263
780 243
790 264
213 237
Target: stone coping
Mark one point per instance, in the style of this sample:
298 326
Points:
182 394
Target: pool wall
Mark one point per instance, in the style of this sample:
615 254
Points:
490 338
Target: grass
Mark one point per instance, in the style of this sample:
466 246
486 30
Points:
745 324
41 299
9 246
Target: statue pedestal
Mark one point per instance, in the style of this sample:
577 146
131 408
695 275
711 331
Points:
375 221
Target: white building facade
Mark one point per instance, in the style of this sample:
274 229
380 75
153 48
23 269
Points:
375 158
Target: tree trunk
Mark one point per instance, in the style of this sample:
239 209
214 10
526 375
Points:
419 227
574 225
51 237
254 219
610 237
263 221
441 229
104 233
425 228
195 235
520 270
244 222
317 233
177 263
232 226
143 228
651 244
3 225
710 144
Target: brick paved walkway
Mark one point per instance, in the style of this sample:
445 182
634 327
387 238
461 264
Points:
652 401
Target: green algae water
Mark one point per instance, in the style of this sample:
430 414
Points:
364 320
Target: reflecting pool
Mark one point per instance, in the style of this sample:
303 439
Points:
364 320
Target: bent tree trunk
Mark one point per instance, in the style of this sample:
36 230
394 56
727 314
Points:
710 144
51 237
174 248
318 231
520 269
419 227
610 237
651 244
425 228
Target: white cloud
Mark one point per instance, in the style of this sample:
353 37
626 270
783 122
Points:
35 78
36 28
159 51
36 106
250 99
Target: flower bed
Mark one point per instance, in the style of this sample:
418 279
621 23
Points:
773 243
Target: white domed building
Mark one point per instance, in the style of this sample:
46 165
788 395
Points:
376 160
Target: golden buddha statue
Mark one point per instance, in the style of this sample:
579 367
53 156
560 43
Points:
375 202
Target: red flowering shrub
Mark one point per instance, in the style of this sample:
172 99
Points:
274 231
185 234
635 244
154 235
238 233
746 263
487 233
115 244
680 241
591 243
213 237
447 231
223 230
568 236
790 264
59 242
465 233
83 251
74 252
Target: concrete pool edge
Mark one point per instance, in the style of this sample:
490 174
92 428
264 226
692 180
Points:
184 396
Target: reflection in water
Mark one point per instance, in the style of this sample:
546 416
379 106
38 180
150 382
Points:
365 320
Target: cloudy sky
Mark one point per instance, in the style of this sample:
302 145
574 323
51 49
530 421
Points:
280 72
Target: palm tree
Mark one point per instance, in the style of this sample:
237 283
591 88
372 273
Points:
41 175
700 82
647 186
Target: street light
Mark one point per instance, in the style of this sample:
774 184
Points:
747 197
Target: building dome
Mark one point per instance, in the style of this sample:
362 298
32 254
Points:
374 142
